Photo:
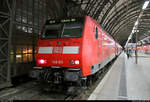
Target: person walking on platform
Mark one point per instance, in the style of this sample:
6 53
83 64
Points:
129 53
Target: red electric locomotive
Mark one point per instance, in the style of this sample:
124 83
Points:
71 49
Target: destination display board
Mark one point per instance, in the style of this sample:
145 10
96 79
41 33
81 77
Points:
64 20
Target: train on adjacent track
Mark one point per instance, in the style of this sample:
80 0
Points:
70 50
144 48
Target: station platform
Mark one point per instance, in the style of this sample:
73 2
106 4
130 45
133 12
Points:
126 80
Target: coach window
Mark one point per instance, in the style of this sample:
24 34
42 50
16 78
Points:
96 33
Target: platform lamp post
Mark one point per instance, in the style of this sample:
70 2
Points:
136 26
136 53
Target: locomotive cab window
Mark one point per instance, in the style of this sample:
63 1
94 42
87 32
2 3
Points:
71 30
52 31
96 33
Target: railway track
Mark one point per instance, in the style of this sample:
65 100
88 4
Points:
31 91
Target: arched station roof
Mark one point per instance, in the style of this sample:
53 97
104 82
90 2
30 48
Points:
117 17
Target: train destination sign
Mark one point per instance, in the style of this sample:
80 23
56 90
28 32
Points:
67 20
62 21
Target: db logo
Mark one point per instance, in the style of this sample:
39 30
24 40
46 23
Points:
57 62
57 49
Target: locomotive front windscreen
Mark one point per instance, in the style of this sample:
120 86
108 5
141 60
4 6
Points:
71 30
64 29
51 31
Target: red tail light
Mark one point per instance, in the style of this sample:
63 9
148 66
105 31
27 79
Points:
42 61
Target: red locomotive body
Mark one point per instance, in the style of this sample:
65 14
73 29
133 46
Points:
75 48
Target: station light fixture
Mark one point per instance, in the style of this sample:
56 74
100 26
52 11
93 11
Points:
145 5
136 23
18 56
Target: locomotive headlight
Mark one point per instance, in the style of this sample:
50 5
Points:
77 62
42 61
72 62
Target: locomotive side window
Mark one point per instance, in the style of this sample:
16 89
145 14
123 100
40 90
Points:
96 33
71 30
52 31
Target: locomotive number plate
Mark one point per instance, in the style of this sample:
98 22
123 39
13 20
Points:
57 62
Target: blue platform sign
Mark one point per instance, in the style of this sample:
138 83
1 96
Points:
133 44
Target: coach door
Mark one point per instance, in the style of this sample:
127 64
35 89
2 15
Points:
100 44
98 38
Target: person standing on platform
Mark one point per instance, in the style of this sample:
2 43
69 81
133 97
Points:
128 52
